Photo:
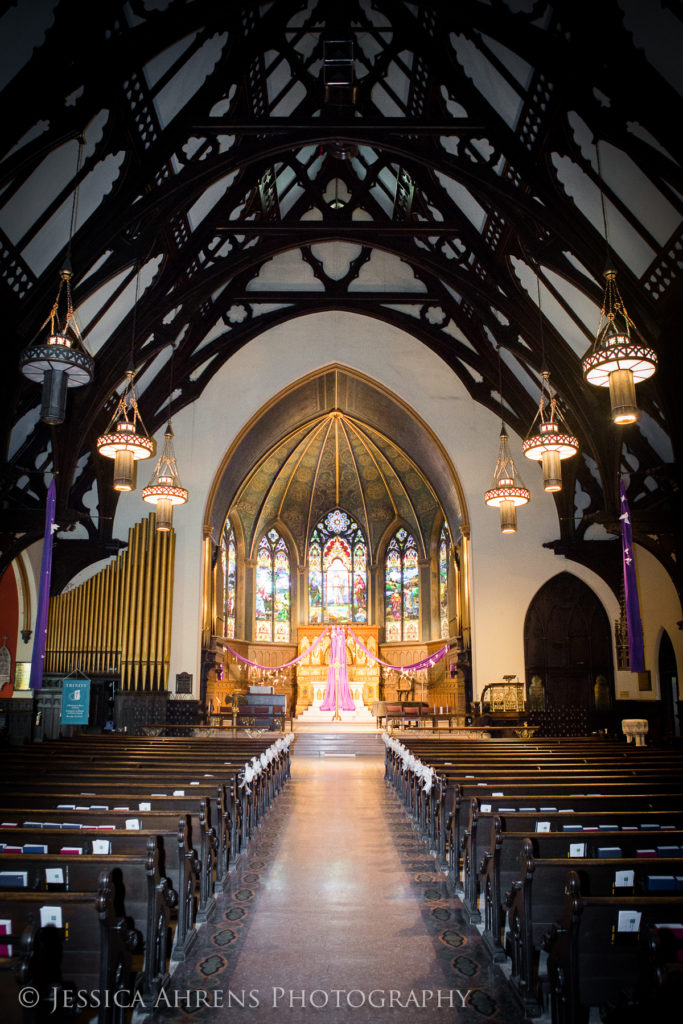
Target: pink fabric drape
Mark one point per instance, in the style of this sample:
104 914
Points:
338 665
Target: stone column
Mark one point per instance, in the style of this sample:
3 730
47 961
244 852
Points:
426 631
249 594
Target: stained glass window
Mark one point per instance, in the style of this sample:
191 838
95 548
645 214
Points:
272 589
337 570
402 588
229 567
444 547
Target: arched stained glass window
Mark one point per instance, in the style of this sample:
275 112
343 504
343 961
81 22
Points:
229 567
444 548
401 588
272 589
337 571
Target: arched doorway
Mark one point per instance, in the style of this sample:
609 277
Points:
668 685
568 647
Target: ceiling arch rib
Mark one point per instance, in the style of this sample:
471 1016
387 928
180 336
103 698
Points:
444 147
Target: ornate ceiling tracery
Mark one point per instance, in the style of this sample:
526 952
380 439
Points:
426 169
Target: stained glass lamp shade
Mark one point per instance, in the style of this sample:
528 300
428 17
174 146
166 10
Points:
60 362
618 360
164 489
550 442
507 491
125 439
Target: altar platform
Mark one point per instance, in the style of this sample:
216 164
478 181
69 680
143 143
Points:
313 715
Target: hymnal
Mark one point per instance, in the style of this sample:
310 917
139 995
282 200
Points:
13 879
5 929
51 916
657 883
628 921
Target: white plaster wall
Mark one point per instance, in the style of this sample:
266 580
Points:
506 570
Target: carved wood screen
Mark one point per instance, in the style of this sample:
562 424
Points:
568 645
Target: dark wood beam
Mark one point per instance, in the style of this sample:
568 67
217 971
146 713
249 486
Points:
357 128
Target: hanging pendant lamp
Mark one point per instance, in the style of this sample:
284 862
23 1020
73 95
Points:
164 489
125 439
550 443
60 362
507 491
618 360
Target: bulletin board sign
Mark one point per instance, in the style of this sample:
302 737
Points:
75 701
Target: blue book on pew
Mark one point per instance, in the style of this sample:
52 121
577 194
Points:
609 851
13 879
658 883
668 851
34 848
572 828
608 828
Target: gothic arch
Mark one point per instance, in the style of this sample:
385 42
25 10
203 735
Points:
568 644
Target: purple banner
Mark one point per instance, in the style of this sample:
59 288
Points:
633 623
40 633
276 668
417 666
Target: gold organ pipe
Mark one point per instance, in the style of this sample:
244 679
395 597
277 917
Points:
139 605
110 618
90 624
126 611
98 656
147 571
169 605
155 634
120 617
164 547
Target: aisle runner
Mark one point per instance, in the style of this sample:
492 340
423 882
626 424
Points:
459 969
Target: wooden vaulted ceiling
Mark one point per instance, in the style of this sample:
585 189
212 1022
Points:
451 151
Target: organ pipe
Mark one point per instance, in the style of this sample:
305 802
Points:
119 619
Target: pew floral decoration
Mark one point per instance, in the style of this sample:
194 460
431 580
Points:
411 763
257 765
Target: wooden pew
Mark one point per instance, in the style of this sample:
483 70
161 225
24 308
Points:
536 903
90 952
499 867
591 963
140 895
476 838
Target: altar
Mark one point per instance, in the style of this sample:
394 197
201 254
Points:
312 670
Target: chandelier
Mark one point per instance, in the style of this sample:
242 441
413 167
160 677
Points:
550 442
618 360
60 362
164 489
507 491
125 439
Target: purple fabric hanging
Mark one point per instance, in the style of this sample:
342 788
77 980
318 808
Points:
338 663
40 634
633 623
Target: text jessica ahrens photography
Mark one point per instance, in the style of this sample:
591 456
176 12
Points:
275 997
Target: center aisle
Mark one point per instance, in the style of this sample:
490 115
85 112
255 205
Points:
335 914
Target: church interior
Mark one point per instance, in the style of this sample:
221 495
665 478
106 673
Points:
341 432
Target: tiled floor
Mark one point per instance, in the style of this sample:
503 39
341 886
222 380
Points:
337 914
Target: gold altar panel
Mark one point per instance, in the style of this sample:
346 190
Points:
312 670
